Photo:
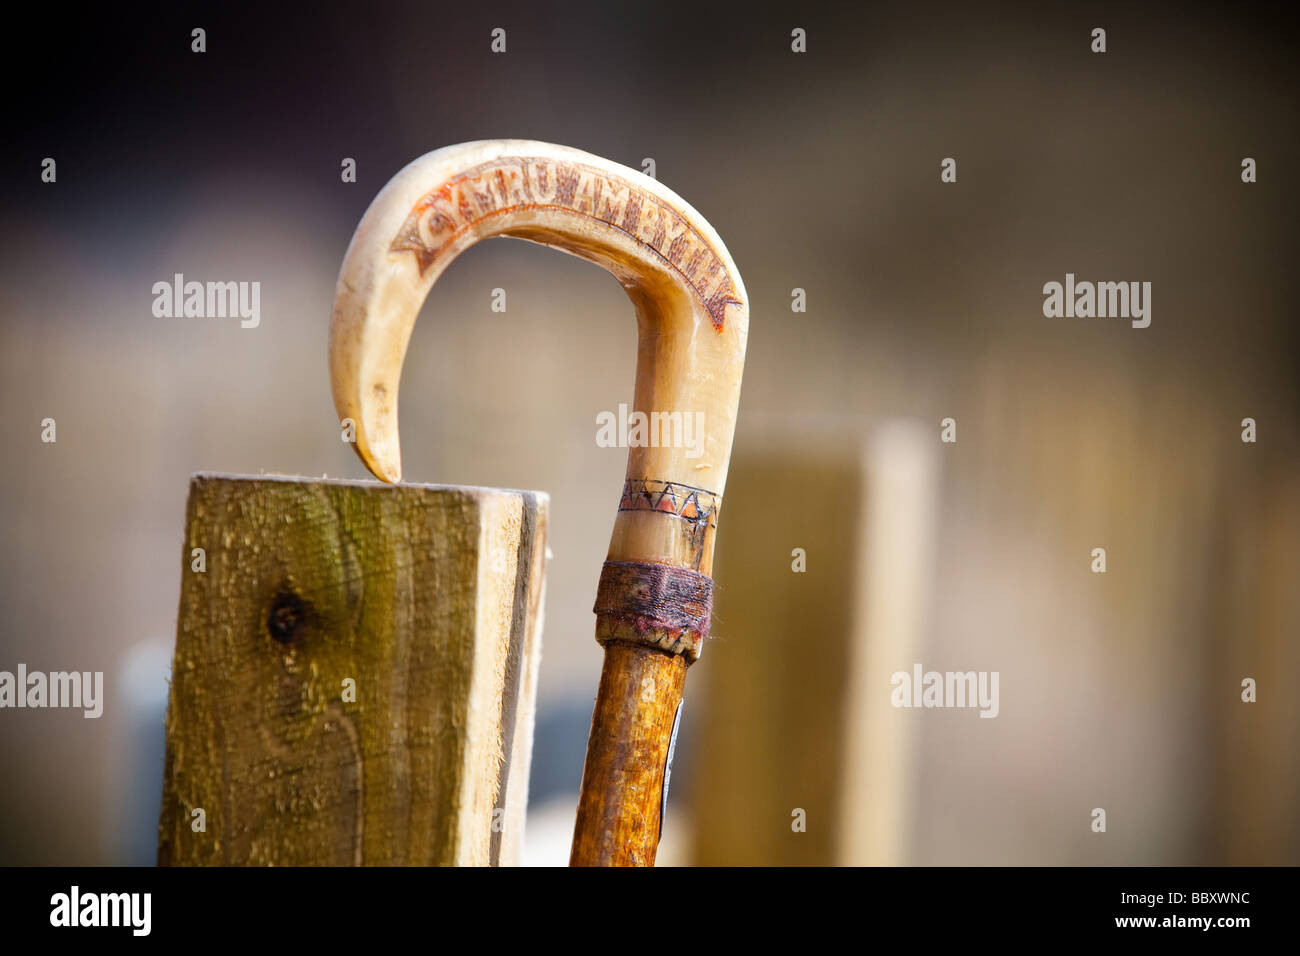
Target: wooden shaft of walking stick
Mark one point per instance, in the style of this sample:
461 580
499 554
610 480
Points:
655 593
652 619
628 757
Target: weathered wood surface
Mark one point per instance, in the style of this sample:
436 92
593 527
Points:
429 598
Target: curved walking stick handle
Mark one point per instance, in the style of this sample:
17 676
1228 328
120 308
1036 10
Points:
654 596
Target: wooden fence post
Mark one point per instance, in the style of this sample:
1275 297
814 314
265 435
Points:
355 672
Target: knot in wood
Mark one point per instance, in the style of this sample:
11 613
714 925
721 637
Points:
286 617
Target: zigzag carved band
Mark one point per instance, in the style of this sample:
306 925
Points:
695 505
654 604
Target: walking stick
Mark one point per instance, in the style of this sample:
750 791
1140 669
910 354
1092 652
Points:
654 597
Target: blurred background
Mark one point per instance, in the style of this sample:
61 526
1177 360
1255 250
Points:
821 171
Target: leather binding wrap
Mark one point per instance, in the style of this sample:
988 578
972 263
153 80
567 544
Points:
654 604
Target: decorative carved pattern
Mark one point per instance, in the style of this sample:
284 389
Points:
695 505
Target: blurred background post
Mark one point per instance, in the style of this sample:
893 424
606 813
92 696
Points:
923 301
